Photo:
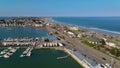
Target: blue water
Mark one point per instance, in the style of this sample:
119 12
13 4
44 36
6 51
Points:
21 32
103 24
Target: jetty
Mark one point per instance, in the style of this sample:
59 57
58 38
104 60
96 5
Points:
63 57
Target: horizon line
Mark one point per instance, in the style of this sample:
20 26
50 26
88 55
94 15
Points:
59 16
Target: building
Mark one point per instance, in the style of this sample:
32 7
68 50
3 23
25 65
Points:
73 28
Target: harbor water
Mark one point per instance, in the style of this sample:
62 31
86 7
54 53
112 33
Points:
21 32
40 58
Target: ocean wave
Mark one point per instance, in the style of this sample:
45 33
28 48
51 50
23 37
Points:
89 28
103 30
65 23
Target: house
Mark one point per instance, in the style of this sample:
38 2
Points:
73 28
38 25
71 34
111 44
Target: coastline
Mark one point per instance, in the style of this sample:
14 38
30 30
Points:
93 29
98 33
84 62
74 43
73 56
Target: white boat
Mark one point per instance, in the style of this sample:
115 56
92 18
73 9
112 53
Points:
28 54
3 52
13 50
21 55
9 54
6 50
60 44
10 48
45 44
6 56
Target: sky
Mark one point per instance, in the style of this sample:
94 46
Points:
60 8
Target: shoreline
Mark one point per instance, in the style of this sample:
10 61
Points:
93 29
73 56
67 40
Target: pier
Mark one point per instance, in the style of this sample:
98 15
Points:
8 52
29 43
27 52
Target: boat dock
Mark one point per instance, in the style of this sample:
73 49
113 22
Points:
27 52
29 43
8 52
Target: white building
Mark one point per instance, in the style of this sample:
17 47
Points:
73 28
111 44
38 25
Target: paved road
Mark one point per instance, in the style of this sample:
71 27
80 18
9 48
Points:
88 51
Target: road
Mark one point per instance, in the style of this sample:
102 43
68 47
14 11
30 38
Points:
90 52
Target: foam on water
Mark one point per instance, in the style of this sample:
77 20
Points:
107 25
103 30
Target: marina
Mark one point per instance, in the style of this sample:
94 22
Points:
40 58
29 43
27 52
8 52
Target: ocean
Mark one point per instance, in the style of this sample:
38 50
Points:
109 25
